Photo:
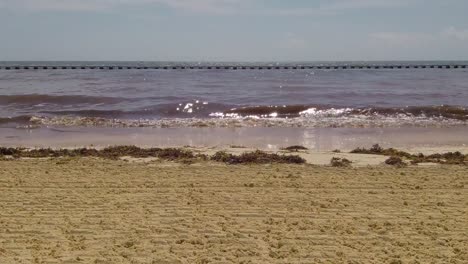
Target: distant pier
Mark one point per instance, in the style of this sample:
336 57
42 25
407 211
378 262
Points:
233 67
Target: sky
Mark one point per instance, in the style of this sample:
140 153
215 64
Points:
233 30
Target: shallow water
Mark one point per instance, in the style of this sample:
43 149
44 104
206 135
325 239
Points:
316 139
310 97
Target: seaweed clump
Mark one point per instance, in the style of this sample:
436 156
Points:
378 150
108 153
172 154
453 158
396 161
9 151
295 148
340 162
136 152
257 157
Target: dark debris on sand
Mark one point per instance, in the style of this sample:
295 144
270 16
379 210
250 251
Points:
9 151
340 162
109 153
257 157
378 150
456 158
172 154
396 161
295 148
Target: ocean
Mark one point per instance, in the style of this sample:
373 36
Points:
158 94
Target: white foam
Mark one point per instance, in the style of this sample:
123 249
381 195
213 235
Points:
234 120
188 108
225 115
328 112
217 114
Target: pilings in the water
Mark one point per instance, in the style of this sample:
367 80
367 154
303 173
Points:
235 67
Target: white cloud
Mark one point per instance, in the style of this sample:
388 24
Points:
459 34
209 6
80 5
359 4
333 7
448 44
400 38
418 38
293 41
206 6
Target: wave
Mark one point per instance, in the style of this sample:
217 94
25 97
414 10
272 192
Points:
199 112
22 119
164 107
443 111
43 99
88 113
322 121
182 110
291 111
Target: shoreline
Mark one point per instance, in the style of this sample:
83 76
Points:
425 140
331 118
240 155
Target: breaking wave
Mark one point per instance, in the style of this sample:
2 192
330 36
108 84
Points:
448 112
200 114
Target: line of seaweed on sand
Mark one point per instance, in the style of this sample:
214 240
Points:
171 154
398 157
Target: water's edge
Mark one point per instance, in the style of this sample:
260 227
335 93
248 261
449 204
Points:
316 139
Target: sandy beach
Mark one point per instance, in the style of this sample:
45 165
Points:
233 131
89 210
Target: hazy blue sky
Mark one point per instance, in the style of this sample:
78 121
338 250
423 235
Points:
268 30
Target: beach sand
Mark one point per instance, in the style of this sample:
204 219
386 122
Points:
87 210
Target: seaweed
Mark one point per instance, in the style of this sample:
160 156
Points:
376 149
222 156
108 153
237 146
454 158
295 148
395 161
172 154
132 151
256 157
340 162
9 151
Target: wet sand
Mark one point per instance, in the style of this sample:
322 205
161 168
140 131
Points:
413 139
85 210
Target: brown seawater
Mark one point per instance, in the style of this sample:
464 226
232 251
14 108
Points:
167 97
